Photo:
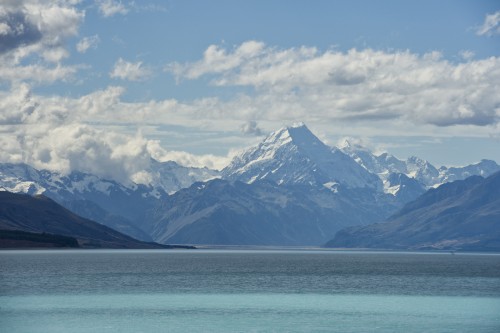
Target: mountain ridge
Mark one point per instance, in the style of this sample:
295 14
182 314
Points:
41 215
460 215
347 185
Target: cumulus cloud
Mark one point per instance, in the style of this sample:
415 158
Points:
16 30
86 43
55 133
186 159
132 71
357 85
39 29
109 8
35 26
491 25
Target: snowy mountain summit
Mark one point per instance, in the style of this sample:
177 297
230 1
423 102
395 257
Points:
387 167
293 155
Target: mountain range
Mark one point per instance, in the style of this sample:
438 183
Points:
461 215
37 221
261 213
290 189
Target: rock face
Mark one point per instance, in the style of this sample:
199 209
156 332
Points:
39 215
462 215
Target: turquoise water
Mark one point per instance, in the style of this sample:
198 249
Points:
248 291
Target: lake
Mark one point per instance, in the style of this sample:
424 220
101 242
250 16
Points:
248 291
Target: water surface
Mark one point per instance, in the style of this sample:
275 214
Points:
248 291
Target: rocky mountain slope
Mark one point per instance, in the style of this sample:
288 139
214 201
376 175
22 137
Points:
116 205
462 215
261 213
41 215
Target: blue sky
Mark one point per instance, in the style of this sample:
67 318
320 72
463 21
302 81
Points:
99 84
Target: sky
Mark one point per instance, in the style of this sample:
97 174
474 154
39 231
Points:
102 86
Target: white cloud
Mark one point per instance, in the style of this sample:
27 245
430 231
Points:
491 25
467 54
86 43
5 29
132 71
346 93
217 60
186 159
53 133
37 73
39 29
110 8
358 85
251 128
48 134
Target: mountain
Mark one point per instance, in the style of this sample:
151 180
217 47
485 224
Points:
484 168
461 215
290 189
261 213
384 165
25 217
171 177
295 156
402 187
109 201
92 211
119 206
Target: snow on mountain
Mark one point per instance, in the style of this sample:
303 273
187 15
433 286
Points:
385 165
120 206
382 165
22 178
484 168
295 156
172 177
123 206
166 177
422 171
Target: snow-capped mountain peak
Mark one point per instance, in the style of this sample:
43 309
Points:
294 155
386 165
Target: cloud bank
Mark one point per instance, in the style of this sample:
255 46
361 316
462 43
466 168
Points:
57 133
37 29
366 85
